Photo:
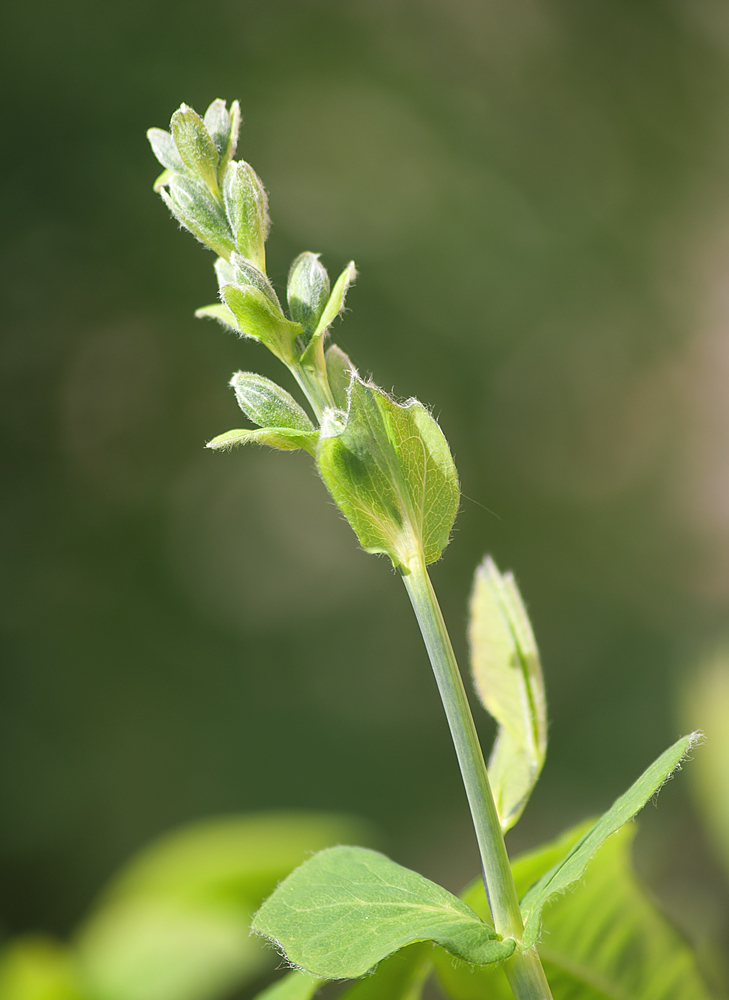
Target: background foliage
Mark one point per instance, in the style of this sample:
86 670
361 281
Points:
535 194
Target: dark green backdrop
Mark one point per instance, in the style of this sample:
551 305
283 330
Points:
535 194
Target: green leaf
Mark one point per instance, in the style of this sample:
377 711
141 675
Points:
164 148
607 939
267 404
220 313
282 438
572 868
35 967
295 985
259 318
400 977
347 908
307 291
604 940
195 146
389 470
339 375
247 208
192 205
335 303
174 924
508 679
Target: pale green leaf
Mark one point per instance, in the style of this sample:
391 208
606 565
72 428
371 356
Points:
259 318
307 291
193 206
339 375
247 208
604 940
164 148
219 312
347 908
508 679
389 469
175 923
147 948
572 868
267 404
335 304
36 967
295 985
282 438
704 703
162 181
400 977
217 123
195 146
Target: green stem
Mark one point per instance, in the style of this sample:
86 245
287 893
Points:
523 969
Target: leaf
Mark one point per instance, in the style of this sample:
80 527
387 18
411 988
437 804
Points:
282 438
247 209
347 908
258 318
339 375
35 967
267 404
605 940
174 924
307 291
164 148
573 866
389 470
195 146
147 948
508 679
400 977
336 300
295 985
220 313
465 982
192 205
217 123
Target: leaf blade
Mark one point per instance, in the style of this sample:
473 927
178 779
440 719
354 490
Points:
347 908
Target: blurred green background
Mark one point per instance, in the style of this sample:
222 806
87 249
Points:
536 193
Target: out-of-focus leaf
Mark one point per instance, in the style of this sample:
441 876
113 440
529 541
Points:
602 940
508 679
295 985
347 908
174 925
167 949
705 704
195 208
38 968
267 404
217 122
195 146
247 208
389 469
282 438
258 318
339 374
307 291
572 868
400 977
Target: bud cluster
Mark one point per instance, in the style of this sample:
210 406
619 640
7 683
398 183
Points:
378 459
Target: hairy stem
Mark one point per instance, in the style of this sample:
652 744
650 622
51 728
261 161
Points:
524 969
